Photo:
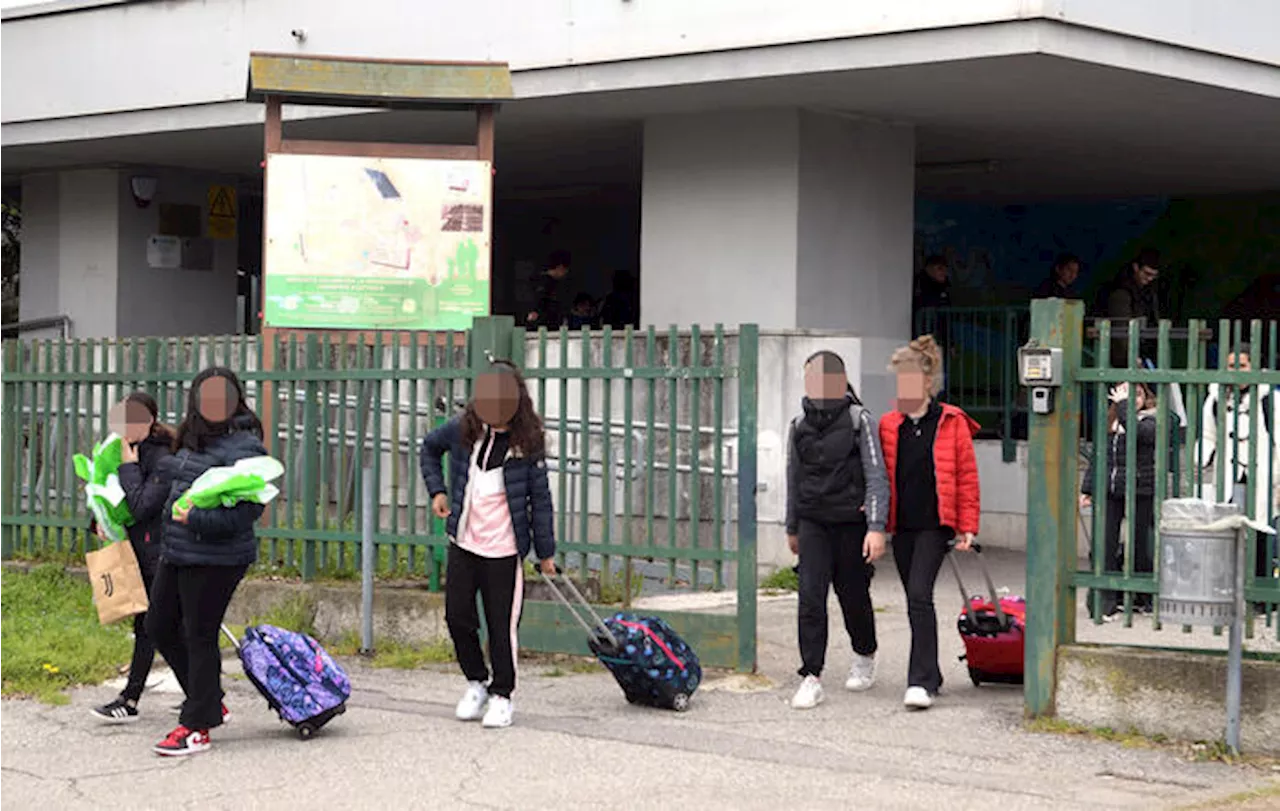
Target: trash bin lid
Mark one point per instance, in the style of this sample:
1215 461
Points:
1187 514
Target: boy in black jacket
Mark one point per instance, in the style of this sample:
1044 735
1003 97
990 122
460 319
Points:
837 505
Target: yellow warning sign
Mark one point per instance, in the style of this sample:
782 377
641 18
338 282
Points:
222 212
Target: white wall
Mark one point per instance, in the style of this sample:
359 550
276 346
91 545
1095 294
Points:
88 202
39 272
856 230
718 219
162 301
145 55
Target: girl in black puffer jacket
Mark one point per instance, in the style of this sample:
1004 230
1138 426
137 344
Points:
204 554
1143 521
144 478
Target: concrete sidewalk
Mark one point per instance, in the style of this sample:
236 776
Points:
578 744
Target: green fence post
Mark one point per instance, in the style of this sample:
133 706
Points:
1052 508
11 453
491 336
310 460
748 398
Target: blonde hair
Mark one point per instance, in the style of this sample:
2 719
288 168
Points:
922 355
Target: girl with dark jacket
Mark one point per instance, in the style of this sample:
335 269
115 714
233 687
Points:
497 507
205 554
934 498
1144 488
837 502
145 481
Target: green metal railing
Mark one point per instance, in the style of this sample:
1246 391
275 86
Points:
1181 469
981 346
651 446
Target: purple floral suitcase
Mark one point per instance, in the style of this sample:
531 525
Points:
297 677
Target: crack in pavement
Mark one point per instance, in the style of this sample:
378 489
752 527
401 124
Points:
72 782
459 794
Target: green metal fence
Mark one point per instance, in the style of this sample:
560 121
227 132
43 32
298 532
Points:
981 376
651 439
1183 467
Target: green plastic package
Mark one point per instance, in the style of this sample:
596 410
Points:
102 488
246 480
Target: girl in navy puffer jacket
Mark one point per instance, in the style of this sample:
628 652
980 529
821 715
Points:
497 508
204 554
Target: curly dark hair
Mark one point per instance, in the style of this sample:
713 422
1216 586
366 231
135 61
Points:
525 431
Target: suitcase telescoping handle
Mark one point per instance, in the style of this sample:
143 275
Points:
1001 617
235 642
580 608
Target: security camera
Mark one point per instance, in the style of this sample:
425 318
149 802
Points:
300 34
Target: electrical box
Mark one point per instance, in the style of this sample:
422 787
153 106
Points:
1040 366
1040 369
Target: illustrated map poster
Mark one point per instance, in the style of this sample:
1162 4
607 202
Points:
372 243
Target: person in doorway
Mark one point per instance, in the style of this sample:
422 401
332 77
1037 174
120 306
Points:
1132 295
1142 523
204 555
934 498
837 504
497 508
622 306
549 311
145 480
1061 279
1237 403
933 298
583 313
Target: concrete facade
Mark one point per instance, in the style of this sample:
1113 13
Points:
784 218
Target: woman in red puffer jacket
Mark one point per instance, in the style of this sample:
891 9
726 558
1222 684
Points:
933 498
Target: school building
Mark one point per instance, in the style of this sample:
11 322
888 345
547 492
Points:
780 163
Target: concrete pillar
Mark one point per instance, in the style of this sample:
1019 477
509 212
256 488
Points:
787 218
84 255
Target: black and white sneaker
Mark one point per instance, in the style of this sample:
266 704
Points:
119 711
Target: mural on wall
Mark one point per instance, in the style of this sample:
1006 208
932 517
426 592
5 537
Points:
1213 248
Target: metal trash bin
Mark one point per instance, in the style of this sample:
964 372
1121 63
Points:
1197 567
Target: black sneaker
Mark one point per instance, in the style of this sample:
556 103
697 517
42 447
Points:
119 711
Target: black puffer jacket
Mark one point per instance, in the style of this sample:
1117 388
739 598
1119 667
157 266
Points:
222 536
835 468
1145 480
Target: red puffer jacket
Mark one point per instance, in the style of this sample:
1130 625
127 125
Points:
955 465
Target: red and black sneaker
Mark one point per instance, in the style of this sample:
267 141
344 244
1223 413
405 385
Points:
183 741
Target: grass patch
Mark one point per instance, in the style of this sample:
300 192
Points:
51 636
1245 798
297 612
784 579
397 655
1130 738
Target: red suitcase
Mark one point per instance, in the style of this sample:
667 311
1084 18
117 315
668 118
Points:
993 632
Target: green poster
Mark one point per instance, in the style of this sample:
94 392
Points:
360 243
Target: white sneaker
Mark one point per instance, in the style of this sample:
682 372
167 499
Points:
472 705
863 673
809 695
499 714
917 698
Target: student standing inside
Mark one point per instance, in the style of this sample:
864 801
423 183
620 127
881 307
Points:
204 556
1143 522
933 479
497 508
837 504
145 481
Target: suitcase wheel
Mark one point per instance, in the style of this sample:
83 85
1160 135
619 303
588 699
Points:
680 702
632 698
975 676
306 731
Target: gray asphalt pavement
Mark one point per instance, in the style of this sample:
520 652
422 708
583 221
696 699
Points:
578 744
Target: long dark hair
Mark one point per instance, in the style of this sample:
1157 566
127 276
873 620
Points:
525 432
158 429
195 431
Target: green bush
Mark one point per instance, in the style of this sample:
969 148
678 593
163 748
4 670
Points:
784 579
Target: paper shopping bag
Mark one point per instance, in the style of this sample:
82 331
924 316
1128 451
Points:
118 590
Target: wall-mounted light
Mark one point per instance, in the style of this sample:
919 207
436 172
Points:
144 189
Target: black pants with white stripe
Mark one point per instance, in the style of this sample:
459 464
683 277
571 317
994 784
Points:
500 584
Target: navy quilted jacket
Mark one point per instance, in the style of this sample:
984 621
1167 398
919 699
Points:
528 492
222 536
